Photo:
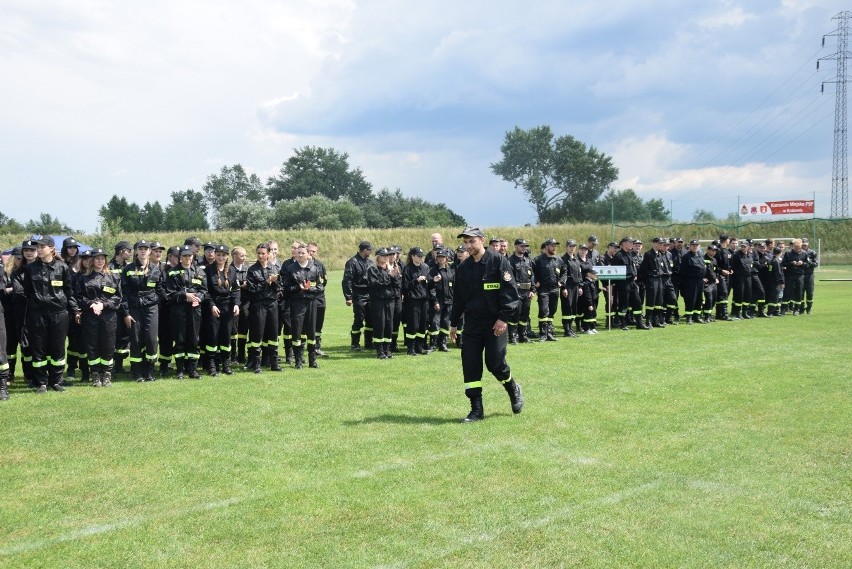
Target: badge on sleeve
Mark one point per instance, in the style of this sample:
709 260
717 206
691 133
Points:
507 276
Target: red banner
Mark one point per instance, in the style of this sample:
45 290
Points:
786 207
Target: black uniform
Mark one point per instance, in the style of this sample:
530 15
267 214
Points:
122 334
692 275
263 320
303 306
758 296
415 306
724 259
4 360
185 318
239 335
224 293
549 277
320 302
808 292
384 291
355 289
50 298
627 291
441 293
485 292
652 272
142 292
588 305
522 270
571 292
794 276
741 264
775 286
100 330
710 286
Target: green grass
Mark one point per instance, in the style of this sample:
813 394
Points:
726 445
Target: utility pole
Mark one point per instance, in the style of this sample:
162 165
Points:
839 166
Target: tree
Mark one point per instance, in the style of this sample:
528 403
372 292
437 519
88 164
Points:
244 213
230 185
187 212
561 177
627 205
47 225
9 225
152 217
703 216
391 209
120 213
316 212
318 171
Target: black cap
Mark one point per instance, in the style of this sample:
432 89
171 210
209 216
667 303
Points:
694 242
384 252
744 243
141 243
804 240
222 249
69 242
210 245
712 248
16 251
97 252
637 242
625 240
612 244
584 246
186 250
45 240
365 245
520 241
443 252
550 241
471 232
395 249
86 254
157 245
679 240
494 240
657 240
173 251
461 248
592 239
587 270
28 244
121 246
416 252
570 243
761 244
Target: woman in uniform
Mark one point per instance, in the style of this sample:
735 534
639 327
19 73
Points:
415 309
99 297
262 285
142 286
186 291
223 307
384 285
302 285
239 333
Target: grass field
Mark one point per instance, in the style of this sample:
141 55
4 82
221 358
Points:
728 445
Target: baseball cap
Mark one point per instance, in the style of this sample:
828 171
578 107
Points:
69 242
694 242
520 241
222 249
570 243
186 250
45 240
141 243
28 244
416 252
592 239
470 232
121 246
384 252
97 252
550 241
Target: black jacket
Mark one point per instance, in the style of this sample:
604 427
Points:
48 286
484 291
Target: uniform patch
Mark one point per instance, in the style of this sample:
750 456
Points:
507 276
491 286
57 283
109 289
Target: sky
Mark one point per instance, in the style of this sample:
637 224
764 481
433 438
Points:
702 104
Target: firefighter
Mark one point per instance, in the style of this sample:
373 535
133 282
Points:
47 285
775 282
587 305
441 278
812 262
549 275
5 288
692 279
313 251
570 292
99 297
262 284
223 305
302 283
741 262
711 282
627 291
383 279
356 293
522 270
415 303
186 291
240 326
794 263
165 334
123 252
486 294
142 291
652 271
723 261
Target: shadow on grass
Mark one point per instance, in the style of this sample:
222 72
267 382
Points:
401 420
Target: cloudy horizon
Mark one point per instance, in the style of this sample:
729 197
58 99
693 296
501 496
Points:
703 105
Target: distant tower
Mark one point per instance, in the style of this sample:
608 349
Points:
839 168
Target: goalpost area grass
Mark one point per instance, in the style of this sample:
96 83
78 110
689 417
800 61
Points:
725 445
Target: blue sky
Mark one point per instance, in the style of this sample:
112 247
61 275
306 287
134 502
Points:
698 103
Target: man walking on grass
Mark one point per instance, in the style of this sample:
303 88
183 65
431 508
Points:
487 297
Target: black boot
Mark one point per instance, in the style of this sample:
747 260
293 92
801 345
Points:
320 353
368 339
516 398
394 348
429 346
511 330
210 368
542 332
388 351
380 350
149 370
288 352
192 368
570 332
241 350
118 367
226 364
476 411
297 356
180 368
356 341
253 364
273 360
164 368
549 335
312 356
420 346
621 322
640 323
522 334
412 347
442 342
